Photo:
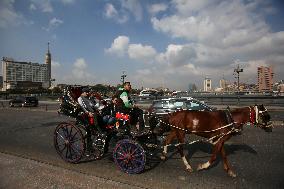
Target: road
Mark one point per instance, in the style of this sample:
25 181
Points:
26 135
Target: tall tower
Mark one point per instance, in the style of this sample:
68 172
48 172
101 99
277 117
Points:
48 62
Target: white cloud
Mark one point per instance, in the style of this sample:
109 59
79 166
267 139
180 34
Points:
111 13
32 6
226 23
141 53
43 5
53 23
177 55
186 7
80 73
144 71
134 7
8 15
156 8
119 46
123 10
68 1
80 64
55 64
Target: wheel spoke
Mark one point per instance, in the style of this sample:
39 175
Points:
60 135
65 132
73 141
70 131
74 135
66 154
76 150
62 149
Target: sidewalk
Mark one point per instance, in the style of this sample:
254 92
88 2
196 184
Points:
17 172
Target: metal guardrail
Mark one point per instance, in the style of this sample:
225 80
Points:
243 100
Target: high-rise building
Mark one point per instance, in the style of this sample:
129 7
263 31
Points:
207 84
26 74
265 78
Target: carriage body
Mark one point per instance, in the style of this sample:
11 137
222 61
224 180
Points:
81 140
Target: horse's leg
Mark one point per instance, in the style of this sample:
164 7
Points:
168 140
217 147
181 138
226 164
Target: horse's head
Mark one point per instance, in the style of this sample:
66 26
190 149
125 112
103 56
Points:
262 118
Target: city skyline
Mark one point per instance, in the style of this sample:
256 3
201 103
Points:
157 43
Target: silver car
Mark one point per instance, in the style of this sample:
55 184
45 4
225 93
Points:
165 106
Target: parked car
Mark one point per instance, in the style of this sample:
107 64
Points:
165 106
24 101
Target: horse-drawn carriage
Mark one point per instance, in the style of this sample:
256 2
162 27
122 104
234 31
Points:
81 139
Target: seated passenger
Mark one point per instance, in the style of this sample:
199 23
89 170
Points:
109 111
88 106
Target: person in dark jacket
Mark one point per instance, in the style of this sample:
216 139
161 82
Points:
109 111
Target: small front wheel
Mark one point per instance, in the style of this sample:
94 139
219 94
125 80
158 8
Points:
129 156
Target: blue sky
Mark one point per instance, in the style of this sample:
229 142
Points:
158 43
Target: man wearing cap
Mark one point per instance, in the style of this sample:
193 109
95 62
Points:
86 104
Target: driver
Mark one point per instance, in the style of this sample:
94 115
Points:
128 107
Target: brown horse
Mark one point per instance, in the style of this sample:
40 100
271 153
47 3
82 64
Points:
217 126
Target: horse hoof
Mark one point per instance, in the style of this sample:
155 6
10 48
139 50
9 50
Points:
231 174
199 167
190 170
163 158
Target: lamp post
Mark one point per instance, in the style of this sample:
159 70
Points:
51 80
123 77
5 88
238 70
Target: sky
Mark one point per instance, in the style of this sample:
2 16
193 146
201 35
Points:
170 43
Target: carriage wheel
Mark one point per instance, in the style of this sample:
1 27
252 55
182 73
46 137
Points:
69 142
129 156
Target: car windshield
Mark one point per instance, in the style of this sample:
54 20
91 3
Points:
19 98
177 104
160 104
30 98
189 104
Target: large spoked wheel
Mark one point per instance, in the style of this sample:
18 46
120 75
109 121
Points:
69 142
129 156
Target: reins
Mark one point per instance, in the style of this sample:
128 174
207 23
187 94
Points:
210 140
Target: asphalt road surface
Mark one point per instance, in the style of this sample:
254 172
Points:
29 160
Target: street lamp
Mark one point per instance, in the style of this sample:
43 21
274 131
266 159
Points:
51 80
238 70
122 77
5 88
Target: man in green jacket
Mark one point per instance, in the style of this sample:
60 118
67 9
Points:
128 106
